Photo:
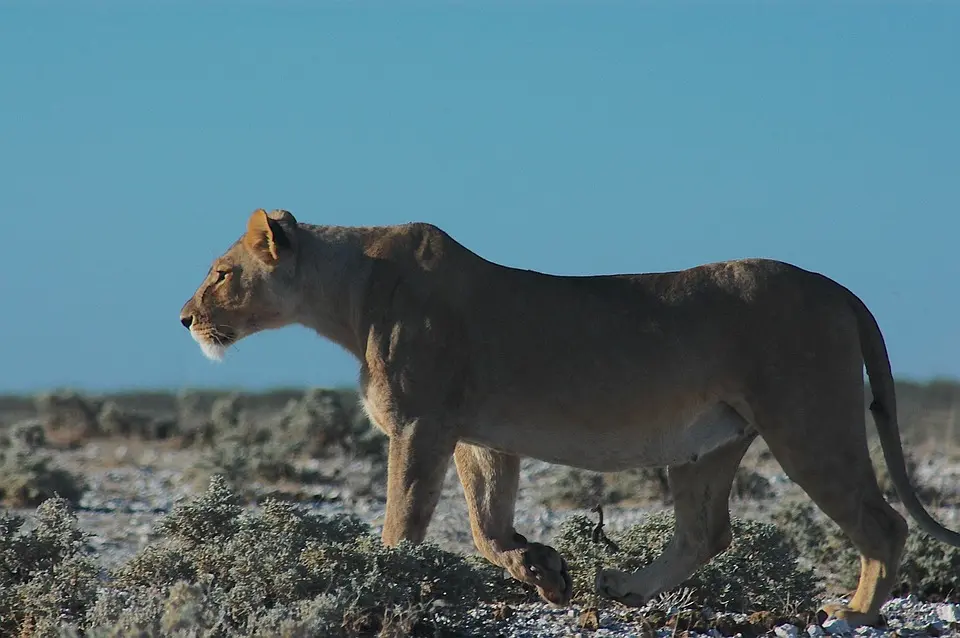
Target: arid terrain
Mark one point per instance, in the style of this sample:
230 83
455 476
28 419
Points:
156 547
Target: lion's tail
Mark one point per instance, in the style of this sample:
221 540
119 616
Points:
884 410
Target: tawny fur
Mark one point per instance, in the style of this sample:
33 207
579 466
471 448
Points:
464 358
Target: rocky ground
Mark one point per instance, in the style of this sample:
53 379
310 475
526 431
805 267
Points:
131 483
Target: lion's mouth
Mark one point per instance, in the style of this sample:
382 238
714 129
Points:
223 335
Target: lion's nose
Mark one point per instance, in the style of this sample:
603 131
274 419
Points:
186 320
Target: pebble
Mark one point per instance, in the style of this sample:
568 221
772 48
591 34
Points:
836 627
949 613
786 631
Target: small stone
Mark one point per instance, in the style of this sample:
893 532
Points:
688 621
589 619
837 626
657 618
948 613
763 621
786 631
502 612
646 631
815 631
149 457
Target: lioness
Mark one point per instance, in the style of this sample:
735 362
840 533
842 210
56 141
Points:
466 358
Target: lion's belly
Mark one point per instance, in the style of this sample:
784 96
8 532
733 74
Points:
610 447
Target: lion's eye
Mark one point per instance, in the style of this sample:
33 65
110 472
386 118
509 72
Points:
222 274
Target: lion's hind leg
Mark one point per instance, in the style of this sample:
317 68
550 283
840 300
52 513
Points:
837 473
701 492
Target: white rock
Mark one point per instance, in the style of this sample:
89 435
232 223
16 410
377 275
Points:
948 612
786 630
815 631
837 627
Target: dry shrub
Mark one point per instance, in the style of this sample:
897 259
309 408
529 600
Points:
758 572
225 571
929 569
46 578
28 474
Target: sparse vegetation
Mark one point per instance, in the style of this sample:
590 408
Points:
758 572
224 571
749 484
925 493
234 435
929 569
28 474
218 567
244 448
583 489
74 418
46 578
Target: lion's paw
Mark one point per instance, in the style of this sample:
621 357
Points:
544 568
615 585
852 617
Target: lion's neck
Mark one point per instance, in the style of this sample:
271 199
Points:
334 274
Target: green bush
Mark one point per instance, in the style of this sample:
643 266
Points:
45 577
820 543
583 489
68 410
748 484
925 493
244 448
228 571
240 463
28 476
86 417
29 434
319 424
113 420
328 422
241 449
758 572
929 569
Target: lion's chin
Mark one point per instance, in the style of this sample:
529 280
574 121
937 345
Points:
211 349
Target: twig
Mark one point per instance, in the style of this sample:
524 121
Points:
598 533
597 536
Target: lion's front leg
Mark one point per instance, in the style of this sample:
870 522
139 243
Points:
419 454
489 482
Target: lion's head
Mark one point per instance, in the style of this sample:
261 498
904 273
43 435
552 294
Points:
249 288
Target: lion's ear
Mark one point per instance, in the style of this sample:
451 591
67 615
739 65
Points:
266 238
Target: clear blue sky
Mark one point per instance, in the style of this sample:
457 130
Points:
135 139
